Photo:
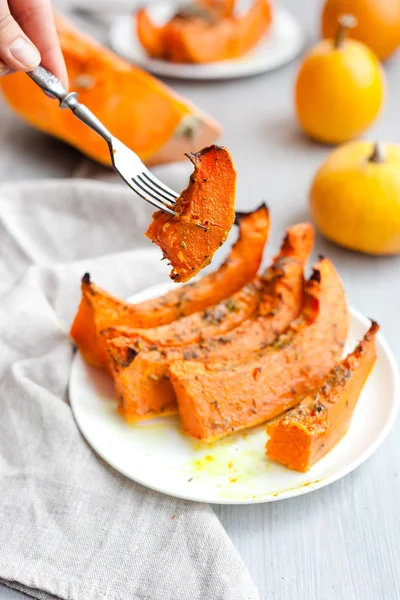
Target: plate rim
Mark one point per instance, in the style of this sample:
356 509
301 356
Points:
269 496
208 71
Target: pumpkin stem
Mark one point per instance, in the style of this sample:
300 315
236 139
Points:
378 155
346 22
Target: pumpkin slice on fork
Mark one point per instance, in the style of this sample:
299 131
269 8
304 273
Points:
204 215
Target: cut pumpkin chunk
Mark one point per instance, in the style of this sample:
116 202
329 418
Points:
204 215
136 108
99 310
205 31
218 398
306 433
140 372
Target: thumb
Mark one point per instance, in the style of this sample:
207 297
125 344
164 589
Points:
17 53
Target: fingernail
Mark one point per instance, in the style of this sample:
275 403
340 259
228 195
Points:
4 69
24 53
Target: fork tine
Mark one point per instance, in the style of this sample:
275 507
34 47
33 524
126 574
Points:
140 179
160 185
152 199
157 191
150 193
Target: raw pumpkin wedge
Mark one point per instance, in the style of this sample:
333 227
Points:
282 282
98 310
138 109
204 215
141 373
218 398
306 433
202 32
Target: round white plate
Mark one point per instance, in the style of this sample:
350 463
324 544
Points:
235 470
281 44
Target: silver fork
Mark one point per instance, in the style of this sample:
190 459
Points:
127 164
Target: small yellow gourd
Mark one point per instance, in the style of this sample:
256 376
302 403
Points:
378 23
339 89
355 197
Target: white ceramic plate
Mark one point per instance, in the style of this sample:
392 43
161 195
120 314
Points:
235 470
281 44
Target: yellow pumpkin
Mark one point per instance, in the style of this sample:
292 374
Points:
339 88
138 109
378 23
355 197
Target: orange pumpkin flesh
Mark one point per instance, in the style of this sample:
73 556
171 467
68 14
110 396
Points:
215 35
139 110
204 215
140 369
216 399
99 310
310 430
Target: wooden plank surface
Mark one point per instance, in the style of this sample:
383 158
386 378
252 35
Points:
342 542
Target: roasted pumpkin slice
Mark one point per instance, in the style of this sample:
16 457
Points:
153 38
205 32
139 110
217 398
306 433
257 299
213 321
99 310
204 215
141 374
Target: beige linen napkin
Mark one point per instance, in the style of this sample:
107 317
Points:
70 526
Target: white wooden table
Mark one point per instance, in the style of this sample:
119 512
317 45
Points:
342 542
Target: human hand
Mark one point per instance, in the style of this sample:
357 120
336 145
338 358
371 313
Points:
28 37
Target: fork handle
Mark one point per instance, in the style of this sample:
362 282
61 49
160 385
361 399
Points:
52 86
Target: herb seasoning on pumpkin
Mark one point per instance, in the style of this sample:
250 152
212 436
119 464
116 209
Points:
306 433
204 213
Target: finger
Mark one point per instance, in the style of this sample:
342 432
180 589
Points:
37 20
16 50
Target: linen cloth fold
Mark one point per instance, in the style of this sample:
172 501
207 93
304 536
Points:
71 527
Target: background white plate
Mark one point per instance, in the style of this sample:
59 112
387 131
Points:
282 43
235 470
